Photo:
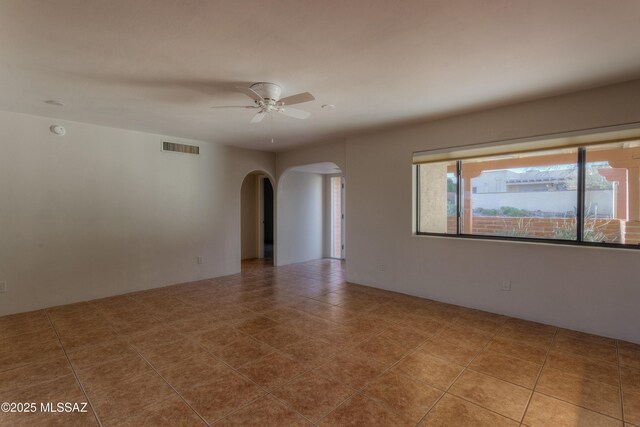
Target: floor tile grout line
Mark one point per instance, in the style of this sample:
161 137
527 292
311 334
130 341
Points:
218 359
580 357
586 359
393 365
120 336
484 350
535 385
137 351
443 394
353 390
361 389
498 378
474 404
237 372
579 406
250 402
566 401
620 379
515 357
75 375
462 372
394 411
172 387
228 365
287 405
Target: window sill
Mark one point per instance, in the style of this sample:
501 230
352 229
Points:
530 240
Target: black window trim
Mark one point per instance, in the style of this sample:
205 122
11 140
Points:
581 162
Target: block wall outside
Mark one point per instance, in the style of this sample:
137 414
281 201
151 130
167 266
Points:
542 228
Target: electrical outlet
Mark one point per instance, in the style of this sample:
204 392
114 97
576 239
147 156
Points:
506 285
199 259
3 287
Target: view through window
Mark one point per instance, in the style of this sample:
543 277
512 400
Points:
586 194
530 195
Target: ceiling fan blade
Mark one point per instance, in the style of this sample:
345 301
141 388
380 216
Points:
250 93
294 112
296 99
258 117
235 106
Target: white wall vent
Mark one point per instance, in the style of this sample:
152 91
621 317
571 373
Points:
180 148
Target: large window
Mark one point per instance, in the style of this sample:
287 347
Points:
587 195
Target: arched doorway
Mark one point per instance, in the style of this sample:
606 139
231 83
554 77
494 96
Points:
257 220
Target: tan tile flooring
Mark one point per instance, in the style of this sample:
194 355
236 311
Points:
297 345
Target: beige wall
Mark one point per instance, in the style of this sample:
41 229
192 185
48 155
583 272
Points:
104 211
300 217
249 217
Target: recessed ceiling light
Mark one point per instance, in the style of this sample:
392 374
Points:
54 102
328 106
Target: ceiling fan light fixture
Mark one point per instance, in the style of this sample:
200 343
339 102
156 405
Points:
268 91
266 97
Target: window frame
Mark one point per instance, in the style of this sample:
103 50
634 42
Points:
580 212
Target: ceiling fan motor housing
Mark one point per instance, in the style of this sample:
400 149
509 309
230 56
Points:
269 91
266 97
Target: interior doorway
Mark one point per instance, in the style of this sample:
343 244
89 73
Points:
311 209
267 219
257 220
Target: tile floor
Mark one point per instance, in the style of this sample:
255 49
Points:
297 345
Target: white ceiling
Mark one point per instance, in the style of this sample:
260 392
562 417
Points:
158 65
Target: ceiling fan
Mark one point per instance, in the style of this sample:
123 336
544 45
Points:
267 99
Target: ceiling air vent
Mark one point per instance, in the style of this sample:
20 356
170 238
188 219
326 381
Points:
180 148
